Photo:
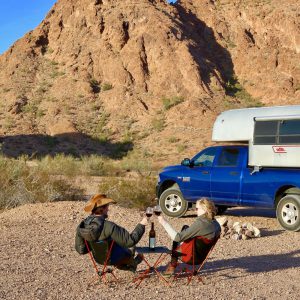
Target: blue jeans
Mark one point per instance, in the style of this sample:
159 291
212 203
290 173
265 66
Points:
119 255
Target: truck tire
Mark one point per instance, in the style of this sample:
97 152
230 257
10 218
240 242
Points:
288 212
172 202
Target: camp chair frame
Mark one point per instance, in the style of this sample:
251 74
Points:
101 274
194 272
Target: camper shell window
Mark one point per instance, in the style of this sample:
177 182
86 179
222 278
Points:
277 132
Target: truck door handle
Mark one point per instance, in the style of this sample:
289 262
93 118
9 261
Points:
205 172
233 173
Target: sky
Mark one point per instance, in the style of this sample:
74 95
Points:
17 17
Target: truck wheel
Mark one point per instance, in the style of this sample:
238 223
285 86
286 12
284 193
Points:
288 212
221 209
172 202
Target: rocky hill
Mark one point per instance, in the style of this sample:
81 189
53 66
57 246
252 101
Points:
108 76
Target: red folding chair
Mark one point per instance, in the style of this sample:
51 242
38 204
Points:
194 252
99 253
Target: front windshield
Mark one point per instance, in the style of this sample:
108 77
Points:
205 158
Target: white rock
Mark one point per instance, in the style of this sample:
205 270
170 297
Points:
256 232
222 220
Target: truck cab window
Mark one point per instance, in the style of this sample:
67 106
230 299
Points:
205 159
228 157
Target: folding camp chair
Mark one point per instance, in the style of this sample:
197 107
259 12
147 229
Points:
194 252
100 252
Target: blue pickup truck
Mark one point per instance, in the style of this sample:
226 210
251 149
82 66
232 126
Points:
222 174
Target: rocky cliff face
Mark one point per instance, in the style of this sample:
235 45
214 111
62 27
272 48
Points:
263 38
146 72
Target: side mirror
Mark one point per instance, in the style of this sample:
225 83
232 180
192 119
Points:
186 162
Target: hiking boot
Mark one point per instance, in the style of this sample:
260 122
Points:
136 261
170 270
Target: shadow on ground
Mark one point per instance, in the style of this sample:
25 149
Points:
75 144
257 264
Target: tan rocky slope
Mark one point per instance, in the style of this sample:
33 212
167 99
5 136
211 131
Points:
263 38
144 74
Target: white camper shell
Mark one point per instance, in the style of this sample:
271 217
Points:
273 134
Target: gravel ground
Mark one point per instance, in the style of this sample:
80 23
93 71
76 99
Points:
38 260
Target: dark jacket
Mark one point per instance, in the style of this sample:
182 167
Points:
95 228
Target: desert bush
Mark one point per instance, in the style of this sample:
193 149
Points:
170 102
92 165
60 164
236 90
100 132
95 165
130 192
21 184
173 139
95 85
181 148
158 123
136 161
106 86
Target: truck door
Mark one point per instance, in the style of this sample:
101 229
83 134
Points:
225 176
196 179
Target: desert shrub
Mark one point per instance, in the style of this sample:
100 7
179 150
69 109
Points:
21 184
158 123
173 139
95 165
95 85
51 141
60 164
56 73
92 165
106 86
236 90
170 102
100 132
181 147
8 123
136 161
130 192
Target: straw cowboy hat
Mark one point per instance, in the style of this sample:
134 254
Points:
97 201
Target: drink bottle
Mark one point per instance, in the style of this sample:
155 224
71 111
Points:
152 237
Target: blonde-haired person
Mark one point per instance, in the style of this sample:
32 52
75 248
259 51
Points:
205 225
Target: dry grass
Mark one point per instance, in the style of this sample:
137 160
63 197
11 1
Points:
21 184
130 192
94 165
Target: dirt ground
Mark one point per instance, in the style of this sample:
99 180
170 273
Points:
38 259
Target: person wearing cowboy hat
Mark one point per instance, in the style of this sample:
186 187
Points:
95 227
